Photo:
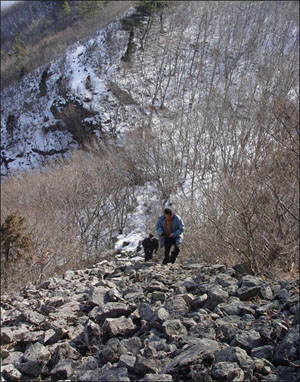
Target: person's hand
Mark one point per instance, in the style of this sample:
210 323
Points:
171 235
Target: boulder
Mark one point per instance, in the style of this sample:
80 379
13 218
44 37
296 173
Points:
36 352
216 296
11 373
265 351
245 292
98 296
177 306
113 350
222 370
157 378
121 326
62 370
112 310
203 351
288 349
174 328
247 340
234 354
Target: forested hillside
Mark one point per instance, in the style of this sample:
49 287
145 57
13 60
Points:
188 104
36 32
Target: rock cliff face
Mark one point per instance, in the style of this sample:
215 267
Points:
135 321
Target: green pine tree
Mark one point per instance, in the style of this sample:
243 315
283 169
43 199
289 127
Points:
19 54
66 10
16 242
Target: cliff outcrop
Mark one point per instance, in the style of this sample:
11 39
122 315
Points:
135 321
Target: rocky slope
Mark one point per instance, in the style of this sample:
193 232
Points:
135 321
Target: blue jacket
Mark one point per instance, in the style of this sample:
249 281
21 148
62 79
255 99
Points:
178 228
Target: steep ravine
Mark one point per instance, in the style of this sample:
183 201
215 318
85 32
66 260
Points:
135 321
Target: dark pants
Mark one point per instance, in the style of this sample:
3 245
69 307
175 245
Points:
169 241
148 254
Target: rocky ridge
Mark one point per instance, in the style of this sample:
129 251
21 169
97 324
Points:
135 321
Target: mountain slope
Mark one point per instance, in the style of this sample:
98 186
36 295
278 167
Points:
197 106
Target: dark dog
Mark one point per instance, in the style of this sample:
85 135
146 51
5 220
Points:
150 244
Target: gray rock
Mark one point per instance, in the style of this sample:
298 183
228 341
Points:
176 306
200 352
231 308
158 296
69 275
62 370
245 293
283 295
118 374
66 313
288 350
10 373
32 317
12 334
132 344
289 374
88 363
199 301
174 328
157 286
98 296
216 296
112 310
121 326
234 354
221 370
296 320
206 287
13 357
242 269
247 340
127 361
89 336
36 336
266 292
55 301
144 365
250 281
112 350
180 289
157 378
159 315
37 352
265 351
145 311
225 280
204 329
189 323
158 345
263 309
31 368
48 284
60 352
59 334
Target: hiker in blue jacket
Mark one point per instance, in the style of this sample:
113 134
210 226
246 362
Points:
170 228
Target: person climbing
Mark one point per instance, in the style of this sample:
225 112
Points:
150 244
170 228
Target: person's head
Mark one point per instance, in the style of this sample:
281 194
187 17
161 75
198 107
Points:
168 213
150 235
